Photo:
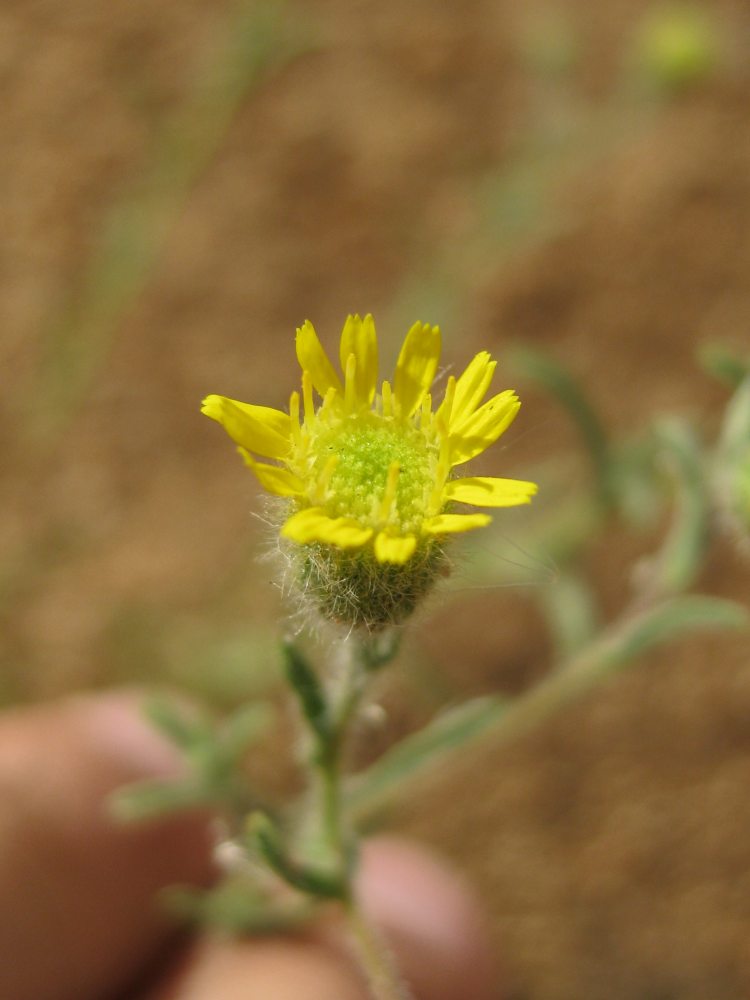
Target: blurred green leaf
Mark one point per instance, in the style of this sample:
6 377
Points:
152 799
677 45
570 608
243 728
223 663
559 383
264 836
731 467
181 725
724 363
640 499
448 732
498 719
304 682
236 907
734 438
673 620
379 649
213 753
681 555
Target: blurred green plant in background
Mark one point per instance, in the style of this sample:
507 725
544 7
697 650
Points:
677 46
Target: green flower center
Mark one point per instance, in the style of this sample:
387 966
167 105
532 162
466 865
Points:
366 446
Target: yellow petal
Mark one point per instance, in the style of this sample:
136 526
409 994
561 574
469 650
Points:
387 396
416 367
486 491
449 524
281 482
314 525
393 549
471 387
313 359
358 338
258 428
351 401
483 427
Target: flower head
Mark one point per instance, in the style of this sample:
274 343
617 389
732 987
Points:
369 473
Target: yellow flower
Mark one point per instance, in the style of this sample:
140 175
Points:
370 473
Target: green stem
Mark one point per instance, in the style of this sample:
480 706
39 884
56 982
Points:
329 752
376 959
329 793
328 715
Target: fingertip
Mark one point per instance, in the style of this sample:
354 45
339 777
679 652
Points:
432 919
79 909
117 725
296 967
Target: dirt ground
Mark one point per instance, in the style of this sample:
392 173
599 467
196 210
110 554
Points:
490 166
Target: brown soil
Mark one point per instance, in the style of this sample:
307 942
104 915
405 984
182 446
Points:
408 166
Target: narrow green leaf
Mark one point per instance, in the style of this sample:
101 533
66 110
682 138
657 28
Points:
243 728
552 377
570 609
264 835
448 732
378 650
731 466
681 556
151 799
495 719
734 440
672 620
235 907
723 363
308 689
183 727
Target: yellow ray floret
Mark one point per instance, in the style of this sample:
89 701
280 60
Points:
475 433
394 548
358 338
416 367
470 389
274 478
372 471
483 491
313 525
314 360
449 524
256 428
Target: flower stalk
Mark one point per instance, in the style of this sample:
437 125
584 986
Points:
375 957
328 720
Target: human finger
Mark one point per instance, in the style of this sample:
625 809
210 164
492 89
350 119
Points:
77 891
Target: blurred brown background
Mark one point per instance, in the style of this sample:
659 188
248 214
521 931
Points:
182 184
